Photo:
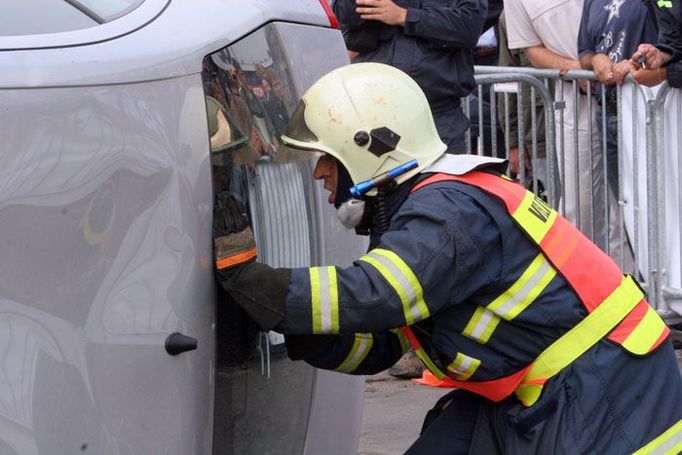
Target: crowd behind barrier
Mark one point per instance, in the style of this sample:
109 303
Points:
628 203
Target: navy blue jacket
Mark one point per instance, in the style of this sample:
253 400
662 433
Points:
450 251
434 48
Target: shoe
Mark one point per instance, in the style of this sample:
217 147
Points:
408 367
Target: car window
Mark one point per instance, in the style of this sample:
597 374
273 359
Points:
39 17
262 399
35 17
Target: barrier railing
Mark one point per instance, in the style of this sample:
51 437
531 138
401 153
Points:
603 157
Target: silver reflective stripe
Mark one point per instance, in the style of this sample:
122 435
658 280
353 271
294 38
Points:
325 301
463 367
361 346
486 319
523 293
398 274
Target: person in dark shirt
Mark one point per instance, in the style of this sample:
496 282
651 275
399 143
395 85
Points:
431 40
665 58
609 33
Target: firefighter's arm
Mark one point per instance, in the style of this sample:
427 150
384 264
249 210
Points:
357 353
433 258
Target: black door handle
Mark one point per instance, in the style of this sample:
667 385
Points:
177 343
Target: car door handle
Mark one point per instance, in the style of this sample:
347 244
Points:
177 343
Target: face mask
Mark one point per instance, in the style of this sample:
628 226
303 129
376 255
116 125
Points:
350 212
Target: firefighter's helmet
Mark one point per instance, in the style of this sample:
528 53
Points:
371 117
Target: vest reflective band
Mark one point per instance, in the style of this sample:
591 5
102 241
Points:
615 304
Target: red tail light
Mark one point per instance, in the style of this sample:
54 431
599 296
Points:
330 14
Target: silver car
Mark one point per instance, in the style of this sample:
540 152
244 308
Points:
121 123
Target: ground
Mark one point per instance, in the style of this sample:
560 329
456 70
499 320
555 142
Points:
393 413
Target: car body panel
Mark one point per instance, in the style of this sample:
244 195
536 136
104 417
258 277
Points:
106 202
158 40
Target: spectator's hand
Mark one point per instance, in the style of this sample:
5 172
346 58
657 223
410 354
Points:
620 70
603 69
514 160
381 10
654 58
583 84
649 77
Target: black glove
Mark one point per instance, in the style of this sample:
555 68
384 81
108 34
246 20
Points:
232 235
259 289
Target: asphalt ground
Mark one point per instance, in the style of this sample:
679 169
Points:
394 410
393 413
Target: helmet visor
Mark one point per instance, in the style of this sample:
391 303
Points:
297 130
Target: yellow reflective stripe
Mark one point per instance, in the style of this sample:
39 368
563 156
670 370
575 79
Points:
668 443
463 367
404 342
324 294
361 346
525 290
429 363
512 301
645 334
579 339
481 325
397 273
535 216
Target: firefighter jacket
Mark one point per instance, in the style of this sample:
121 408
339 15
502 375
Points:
496 311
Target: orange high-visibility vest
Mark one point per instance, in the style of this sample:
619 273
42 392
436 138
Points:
616 305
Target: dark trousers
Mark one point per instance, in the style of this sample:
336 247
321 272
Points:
449 431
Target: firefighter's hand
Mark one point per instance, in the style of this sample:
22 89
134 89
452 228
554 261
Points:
232 235
259 289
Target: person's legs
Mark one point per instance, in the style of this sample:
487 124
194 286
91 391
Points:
449 427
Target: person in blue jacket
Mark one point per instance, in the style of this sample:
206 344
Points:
431 40
551 349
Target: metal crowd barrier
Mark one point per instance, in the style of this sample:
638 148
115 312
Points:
603 158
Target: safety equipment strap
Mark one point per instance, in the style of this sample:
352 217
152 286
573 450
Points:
615 304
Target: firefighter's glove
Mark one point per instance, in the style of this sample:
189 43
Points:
232 235
259 289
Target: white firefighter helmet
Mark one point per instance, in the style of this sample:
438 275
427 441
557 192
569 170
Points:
371 117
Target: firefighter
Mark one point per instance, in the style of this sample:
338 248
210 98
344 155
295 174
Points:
552 350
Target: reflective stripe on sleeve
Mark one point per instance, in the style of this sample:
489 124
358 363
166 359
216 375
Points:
401 278
463 367
512 301
361 346
324 294
668 443
481 325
